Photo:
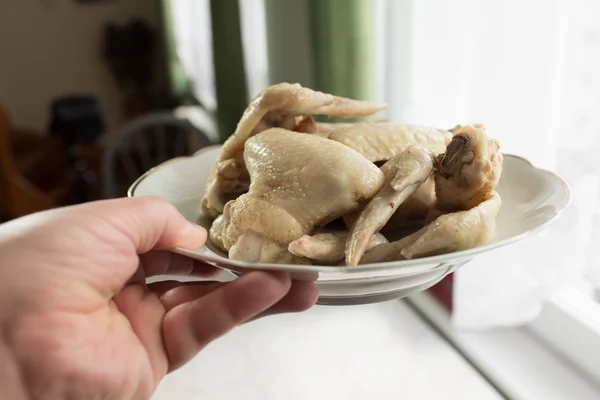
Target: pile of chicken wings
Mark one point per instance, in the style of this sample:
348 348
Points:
288 189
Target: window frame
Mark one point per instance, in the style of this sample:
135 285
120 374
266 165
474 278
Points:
517 361
569 324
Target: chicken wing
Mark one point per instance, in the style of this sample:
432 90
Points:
468 172
327 247
414 209
404 174
215 233
299 182
380 141
464 216
451 232
283 105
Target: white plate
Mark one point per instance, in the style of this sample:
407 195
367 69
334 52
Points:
531 199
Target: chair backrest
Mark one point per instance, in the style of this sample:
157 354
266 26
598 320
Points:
144 143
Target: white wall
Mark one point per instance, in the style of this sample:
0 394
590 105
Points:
53 47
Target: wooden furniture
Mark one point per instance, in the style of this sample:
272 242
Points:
78 120
31 171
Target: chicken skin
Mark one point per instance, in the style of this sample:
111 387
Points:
284 105
299 182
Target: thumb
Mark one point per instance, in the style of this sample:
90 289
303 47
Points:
150 223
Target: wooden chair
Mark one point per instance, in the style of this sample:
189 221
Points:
31 171
144 143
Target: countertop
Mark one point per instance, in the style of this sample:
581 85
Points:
381 351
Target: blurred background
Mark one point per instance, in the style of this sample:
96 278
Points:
95 92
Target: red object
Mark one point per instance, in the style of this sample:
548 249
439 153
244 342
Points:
443 291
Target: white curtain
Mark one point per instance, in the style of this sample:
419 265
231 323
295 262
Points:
529 70
193 40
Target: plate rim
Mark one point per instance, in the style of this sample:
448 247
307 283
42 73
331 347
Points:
138 181
441 259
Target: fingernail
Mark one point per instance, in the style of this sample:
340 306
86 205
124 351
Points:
193 236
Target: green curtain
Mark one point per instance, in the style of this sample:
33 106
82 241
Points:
323 44
341 35
228 61
179 87
290 55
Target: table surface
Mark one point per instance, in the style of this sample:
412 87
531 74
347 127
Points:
381 351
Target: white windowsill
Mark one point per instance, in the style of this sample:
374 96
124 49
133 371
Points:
376 351
516 362
570 324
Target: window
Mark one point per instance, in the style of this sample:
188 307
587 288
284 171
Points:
529 70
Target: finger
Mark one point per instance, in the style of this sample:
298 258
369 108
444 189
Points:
173 293
149 223
189 327
301 297
164 262
186 292
145 312
162 287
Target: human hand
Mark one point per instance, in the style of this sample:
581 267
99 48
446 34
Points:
77 319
